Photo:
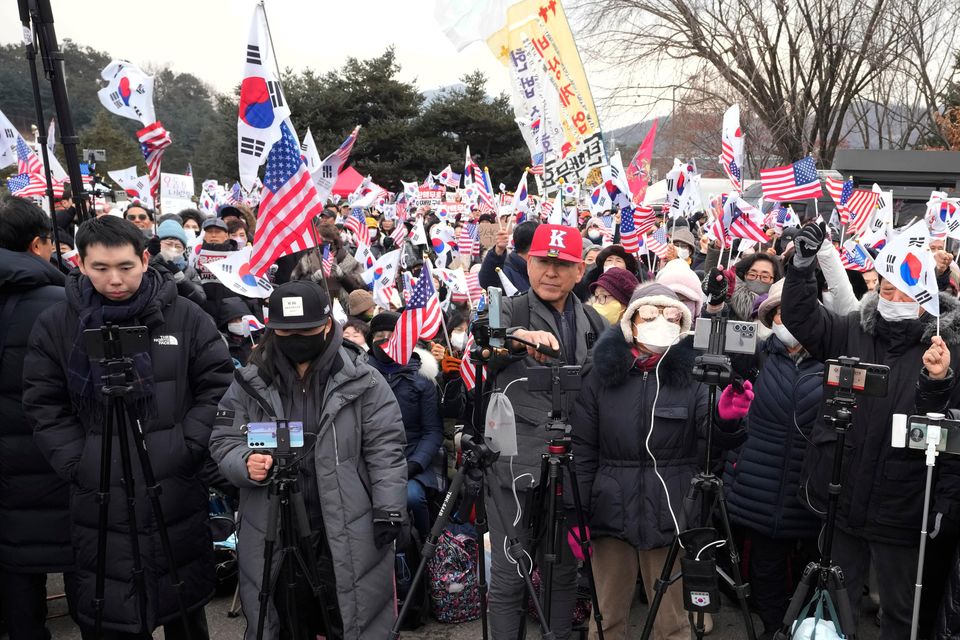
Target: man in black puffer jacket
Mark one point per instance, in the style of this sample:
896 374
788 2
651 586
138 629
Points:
35 534
177 385
881 503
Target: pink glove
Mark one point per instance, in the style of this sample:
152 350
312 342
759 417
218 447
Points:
734 405
573 539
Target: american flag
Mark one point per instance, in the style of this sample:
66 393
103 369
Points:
645 219
27 160
420 319
468 370
854 257
357 224
483 192
537 169
289 205
402 211
328 258
33 185
791 182
546 208
738 221
189 171
628 231
861 206
840 191
235 195
731 149
153 140
606 228
658 243
399 234
469 240
343 151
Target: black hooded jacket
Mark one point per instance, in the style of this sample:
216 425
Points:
34 501
619 488
883 486
191 371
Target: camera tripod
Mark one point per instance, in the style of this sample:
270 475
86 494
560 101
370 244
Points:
713 369
121 419
287 519
548 522
824 575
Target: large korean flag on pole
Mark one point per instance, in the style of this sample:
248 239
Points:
907 263
262 105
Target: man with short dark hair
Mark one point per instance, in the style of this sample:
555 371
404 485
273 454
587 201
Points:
512 263
548 314
34 502
175 388
141 217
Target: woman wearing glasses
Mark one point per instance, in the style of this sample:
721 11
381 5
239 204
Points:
637 429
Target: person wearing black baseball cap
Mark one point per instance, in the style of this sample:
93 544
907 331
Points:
352 474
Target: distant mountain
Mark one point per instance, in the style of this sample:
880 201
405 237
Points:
430 94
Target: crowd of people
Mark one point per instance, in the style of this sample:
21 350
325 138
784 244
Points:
380 436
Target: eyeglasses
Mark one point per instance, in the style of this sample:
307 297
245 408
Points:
138 216
602 298
765 278
649 313
171 244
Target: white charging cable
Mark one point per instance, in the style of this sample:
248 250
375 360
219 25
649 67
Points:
656 471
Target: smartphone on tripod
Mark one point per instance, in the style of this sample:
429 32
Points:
111 342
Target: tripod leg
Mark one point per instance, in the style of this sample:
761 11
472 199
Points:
841 598
482 528
430 546
535 525
585 546
269 540
516 551
660 587
103 499
309 564
288 570
742 589
551 552
130 489
153 495
811 574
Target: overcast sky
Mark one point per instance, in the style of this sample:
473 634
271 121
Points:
207 38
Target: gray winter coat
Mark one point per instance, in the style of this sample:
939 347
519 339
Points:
360 468
532 408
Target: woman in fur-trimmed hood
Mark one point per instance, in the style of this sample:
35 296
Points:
642 371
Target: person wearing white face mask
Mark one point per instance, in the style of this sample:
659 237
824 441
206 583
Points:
763 476
881 504
640 402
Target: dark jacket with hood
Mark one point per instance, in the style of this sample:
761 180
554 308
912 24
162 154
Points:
191 370
241 347
620 491
512 265
416 393
762 477
34 501
186 279
883 486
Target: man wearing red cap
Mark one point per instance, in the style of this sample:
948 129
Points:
550 315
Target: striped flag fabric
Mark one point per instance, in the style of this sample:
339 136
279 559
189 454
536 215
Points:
861 206
468 370
738 220
288 206
628 231
327 264
153 140
657 242
27 160
731 148
791 182
420 319
645 219
356 223
399 234
854 257
33 185
469 240
840 191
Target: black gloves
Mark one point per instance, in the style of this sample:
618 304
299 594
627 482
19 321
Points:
153 245
715 286
413 469
807 244
386 532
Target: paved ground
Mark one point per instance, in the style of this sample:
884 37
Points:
728 625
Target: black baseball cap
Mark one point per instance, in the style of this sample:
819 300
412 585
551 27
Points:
229 210
298 304
214 222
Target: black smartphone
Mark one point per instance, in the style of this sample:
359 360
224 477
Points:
116 342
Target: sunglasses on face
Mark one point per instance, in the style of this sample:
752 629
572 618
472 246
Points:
649 313
138 216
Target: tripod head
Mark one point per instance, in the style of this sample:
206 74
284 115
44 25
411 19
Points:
114 348
558 380
718 336
845 378
477 454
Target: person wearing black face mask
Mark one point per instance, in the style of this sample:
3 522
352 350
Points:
416 392
352 472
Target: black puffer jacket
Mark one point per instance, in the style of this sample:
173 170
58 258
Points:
34 501
763 476
416 393
883 487
192 370
620 491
